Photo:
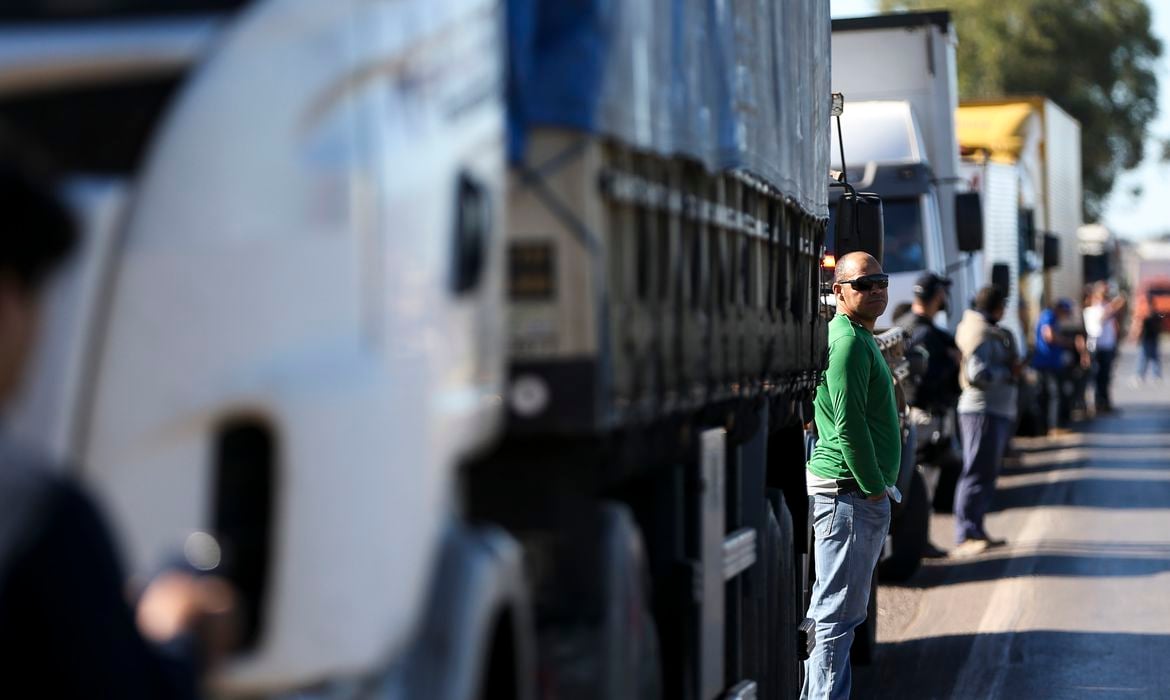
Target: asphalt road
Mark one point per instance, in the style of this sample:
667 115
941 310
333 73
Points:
1077 605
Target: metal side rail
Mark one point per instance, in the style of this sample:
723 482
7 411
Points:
739 552
744 690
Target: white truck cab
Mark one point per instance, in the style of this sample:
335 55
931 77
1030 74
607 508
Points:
886 155
909 58
285 326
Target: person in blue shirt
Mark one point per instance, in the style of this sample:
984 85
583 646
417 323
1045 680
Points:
1053 358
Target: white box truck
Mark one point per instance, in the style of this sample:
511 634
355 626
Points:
484 377
898 75
1036 145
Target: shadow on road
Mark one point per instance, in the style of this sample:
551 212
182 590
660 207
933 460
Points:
1086 493
1039 664
1050 558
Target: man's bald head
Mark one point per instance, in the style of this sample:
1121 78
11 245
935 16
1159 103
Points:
856 264
863 305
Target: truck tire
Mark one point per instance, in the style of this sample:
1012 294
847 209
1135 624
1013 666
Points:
605 644
909 533
865 636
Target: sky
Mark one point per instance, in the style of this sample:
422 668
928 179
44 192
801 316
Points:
1127 215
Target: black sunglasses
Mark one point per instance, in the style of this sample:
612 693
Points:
868 282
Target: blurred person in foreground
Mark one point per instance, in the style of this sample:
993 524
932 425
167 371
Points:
1055 358
855 461
987 414
67 629
1148 332
1102 329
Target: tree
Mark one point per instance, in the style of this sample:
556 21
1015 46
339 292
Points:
1094 58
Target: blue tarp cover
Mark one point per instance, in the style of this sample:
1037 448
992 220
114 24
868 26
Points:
732 83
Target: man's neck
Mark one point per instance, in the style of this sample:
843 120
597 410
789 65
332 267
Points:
920 310
867 324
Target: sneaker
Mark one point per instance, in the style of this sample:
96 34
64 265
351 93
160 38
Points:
970 548
1059 432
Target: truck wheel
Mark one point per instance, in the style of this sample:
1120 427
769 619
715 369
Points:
865 636
603 643
909 534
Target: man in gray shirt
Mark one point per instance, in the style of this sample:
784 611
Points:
987 414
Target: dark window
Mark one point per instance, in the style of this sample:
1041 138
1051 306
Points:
243 513
904 249
72 10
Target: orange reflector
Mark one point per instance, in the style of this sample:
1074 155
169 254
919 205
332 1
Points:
829 262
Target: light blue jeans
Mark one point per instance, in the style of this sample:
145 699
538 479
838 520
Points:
849 532
1148 356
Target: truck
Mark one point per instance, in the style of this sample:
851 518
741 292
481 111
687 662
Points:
1009 257
472 342
1031 146
900 143
1100 252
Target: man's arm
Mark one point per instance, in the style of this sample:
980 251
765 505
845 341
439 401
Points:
1049 334
982 371
1114 307
848 384
73 593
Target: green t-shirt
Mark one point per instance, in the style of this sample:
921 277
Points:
856 414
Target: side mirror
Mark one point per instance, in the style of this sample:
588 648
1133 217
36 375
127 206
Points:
1001 276
1027 229
969 221
859 224
1051 251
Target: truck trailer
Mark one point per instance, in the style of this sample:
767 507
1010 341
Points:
1031 145
479 337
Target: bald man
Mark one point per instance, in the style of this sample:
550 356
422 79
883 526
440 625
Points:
856 458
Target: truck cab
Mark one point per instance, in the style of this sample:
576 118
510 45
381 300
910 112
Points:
886 156
283 325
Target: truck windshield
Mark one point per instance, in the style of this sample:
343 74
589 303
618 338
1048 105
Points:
904 249
904 244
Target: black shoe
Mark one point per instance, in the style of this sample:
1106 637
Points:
932 552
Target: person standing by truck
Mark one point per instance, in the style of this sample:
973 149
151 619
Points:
987 414
1053 359
937 390
939 387
932 401
1101 317
855 460
1149 331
